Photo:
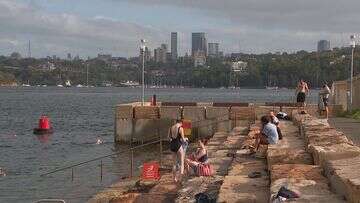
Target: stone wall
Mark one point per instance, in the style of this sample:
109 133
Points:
143 123
340 89
334 153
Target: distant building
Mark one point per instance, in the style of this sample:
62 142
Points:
323 45
15 55
198 43
213 49
69 56
147 55
104 57
174 46
240 67
199 58
160 54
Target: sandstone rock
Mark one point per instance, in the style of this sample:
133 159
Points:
344 176
288 156
310 190
321 154
243 189
195 185
297 172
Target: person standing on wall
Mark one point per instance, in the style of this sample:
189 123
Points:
325 93
177 138
302 90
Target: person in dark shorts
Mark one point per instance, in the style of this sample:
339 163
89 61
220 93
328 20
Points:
177 137
301 91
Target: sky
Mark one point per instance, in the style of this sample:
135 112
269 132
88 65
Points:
89 27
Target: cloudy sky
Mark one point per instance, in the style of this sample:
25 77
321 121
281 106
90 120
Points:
87 27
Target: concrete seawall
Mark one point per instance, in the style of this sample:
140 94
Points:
136 123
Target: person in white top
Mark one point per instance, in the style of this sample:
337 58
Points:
325 94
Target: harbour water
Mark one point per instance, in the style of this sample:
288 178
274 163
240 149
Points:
80 116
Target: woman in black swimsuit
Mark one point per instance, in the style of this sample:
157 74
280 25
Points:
177 137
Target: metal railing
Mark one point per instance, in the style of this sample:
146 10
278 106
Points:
196 124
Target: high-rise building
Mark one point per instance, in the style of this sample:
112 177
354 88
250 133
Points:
323 45
69 56
174 46
160 54
199 58
198 43
147 55
213 49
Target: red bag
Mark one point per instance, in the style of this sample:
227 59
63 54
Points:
204 170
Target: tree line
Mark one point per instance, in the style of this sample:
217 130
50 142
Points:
282 70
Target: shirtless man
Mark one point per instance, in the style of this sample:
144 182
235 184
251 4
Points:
301 90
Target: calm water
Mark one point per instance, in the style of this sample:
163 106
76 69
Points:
80 116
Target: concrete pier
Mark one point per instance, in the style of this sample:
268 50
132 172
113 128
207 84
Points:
136 123
313 159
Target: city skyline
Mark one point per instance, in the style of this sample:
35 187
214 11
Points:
112 26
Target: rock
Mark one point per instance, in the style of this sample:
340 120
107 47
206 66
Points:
310 190
241 189
195 185
321 154
297 172
344 176
288 156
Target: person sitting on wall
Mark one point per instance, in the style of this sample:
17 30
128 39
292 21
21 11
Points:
268 134
276 122
199 161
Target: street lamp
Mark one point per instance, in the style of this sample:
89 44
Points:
352 45
142 48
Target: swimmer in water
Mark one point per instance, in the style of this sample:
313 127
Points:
99 141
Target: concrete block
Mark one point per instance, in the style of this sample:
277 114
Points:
310 190
146 112
242 113
217 112
140 130
326 138
170 112
297 172
193 113
321 154
241 189
124 112
344 176
288 156
264 110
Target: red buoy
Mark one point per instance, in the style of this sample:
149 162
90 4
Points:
44 126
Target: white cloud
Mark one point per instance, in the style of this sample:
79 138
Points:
61 33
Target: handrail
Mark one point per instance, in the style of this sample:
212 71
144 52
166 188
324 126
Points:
98 158
139 146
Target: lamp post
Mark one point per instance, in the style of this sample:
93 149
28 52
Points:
352 44
142 47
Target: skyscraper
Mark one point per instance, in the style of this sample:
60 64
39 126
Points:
323 45
198 43
174 51
160 54
213 49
